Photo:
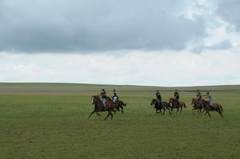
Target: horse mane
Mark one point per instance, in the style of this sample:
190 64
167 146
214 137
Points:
108 98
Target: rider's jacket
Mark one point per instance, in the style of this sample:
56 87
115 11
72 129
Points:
210 99
115 97
103 94
199 96
158 96
176 95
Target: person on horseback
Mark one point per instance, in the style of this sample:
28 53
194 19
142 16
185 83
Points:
158 97
103 96
115 96
199 95
176 96
209 98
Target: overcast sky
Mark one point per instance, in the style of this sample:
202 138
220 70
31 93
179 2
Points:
164 43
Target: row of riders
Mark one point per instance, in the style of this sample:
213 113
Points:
104 103
199 103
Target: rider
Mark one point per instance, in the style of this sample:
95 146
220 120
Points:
209 97
199 95
115 96
103 96
176 96
158 97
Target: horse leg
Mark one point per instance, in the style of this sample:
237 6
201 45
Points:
169 111
164 110
193 111
220 113
207 112
107 115
121 109
160 111
111 115
91 114
180 109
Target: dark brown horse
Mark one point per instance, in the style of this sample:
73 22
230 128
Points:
176 105
99 107
119 105
197 104
160 108
214 107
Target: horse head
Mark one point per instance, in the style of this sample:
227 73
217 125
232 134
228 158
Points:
171 100
122 103
153 101
95 99
193 101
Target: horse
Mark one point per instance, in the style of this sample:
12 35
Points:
197 104
214 107
178 105
99 107
119 105
160 107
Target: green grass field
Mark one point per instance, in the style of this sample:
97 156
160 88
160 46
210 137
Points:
40 121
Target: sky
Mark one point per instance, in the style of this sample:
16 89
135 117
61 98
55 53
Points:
133 42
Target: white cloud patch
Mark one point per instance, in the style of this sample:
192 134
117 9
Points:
142 68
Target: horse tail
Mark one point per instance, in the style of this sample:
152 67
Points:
221 108
184 105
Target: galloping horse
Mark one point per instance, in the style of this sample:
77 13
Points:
99 107
214 107
198 104
174 104
159 107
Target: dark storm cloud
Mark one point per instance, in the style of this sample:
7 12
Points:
94 25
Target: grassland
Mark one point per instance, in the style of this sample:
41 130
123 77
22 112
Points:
40 121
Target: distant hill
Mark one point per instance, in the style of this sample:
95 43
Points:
78 88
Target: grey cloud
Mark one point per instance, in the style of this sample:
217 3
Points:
223 45
93 25
229 11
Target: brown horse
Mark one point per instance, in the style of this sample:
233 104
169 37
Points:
214 107
99 107
119 105
177 105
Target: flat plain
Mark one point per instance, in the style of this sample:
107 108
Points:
39 120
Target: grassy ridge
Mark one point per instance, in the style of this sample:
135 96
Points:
50 121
